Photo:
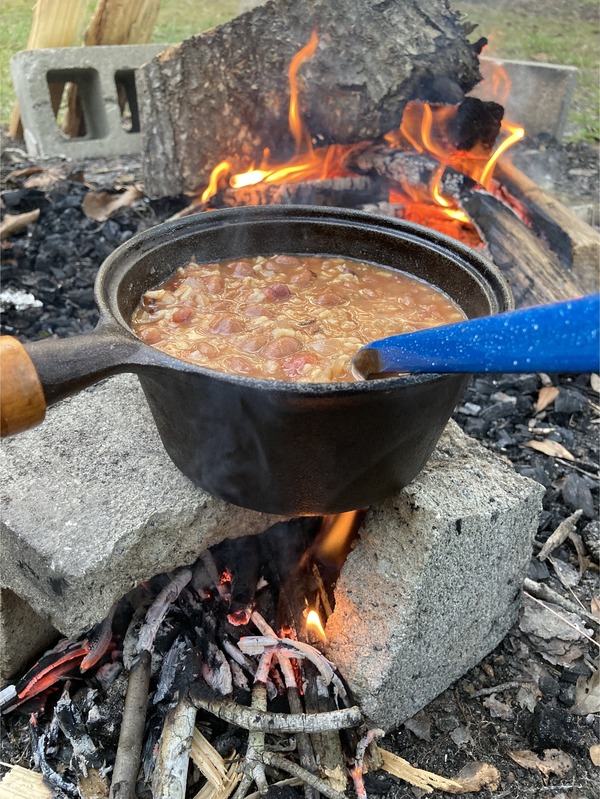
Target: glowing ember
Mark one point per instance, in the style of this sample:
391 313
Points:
313 624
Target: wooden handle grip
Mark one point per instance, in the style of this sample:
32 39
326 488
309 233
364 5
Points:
22 400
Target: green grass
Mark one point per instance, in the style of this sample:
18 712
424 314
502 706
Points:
177 20
554 32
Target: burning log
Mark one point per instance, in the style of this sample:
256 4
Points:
338 192
226 91
535 273
170 771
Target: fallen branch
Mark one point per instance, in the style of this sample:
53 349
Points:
250 719
539 591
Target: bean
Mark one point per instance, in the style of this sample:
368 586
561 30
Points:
329 299
286 345
277 291
183 314
225 325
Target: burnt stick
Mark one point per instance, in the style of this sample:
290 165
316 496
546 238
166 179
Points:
129 749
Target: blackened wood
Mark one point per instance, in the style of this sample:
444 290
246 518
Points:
225 92
575 242
337 192
533 272
477 122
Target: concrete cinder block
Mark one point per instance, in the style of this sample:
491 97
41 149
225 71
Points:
23 634
538 95
92 505
97 71
434 583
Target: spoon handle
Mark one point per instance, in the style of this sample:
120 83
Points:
560 337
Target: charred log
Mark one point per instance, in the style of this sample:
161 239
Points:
533 272
226 91
337 192
476 122
576 243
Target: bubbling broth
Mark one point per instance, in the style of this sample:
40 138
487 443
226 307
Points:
285 317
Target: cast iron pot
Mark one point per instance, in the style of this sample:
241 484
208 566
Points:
274 446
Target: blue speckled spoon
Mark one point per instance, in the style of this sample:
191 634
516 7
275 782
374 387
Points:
561 337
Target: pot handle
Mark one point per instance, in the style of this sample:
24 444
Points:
22 400
39 373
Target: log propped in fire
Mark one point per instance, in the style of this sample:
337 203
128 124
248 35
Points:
226 92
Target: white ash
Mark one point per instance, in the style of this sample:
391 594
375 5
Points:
20 300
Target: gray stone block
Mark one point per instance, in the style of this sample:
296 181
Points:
539 94
92 505
23 634
96 70
434 583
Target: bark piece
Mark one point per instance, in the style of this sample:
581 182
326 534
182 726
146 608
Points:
225 92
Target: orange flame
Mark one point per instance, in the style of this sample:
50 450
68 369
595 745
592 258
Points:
308 163
298 130
314 625
425 128
335 537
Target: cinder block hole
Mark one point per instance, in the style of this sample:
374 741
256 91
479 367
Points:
77 102
125 83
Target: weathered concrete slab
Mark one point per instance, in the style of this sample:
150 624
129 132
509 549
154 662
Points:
95 70
23 634
92 505
434 583
539 94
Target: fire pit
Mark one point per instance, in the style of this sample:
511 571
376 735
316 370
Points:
408 615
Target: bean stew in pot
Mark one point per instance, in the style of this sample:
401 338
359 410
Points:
286 317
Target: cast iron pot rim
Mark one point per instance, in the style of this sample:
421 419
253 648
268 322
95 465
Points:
118 263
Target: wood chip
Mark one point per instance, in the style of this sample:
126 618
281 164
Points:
221 777
552 448
425 780
554 761
595 607
595 382
16 223
21 782
476 776
546 397
595 754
